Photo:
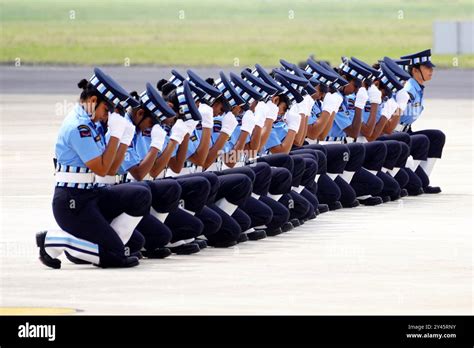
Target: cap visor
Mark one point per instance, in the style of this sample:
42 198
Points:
429 64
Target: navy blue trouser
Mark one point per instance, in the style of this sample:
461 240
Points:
334 160
437 140
280 184
364 182
235 188
419 145
200 189
165 195
404 141
90 216
298 206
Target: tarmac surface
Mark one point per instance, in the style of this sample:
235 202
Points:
412 256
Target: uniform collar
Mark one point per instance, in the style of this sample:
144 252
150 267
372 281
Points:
80 112
418 87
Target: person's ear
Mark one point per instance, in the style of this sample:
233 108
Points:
140 113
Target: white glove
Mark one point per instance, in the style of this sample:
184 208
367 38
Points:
207 114
402 99
338 99
248 122
361 98
293 120
309 104
260 114
375 95
158 136
128 133
116 125
304 107
388 108
229 123
331 102
272 110
191 124
179 131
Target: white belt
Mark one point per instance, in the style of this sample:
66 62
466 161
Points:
325 142
237 165
312 141
109 179
184 171
402 127
146 177
75 178
361 139
350 140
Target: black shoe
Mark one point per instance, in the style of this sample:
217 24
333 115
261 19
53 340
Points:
335 205
287 226
242 238
137 254
158 253
201 243
395 197
323 208
75 260
274 232
385 199
222 244
313 216
416 192
432 189
295 222
403 192
257 235
376 200
302 221
185 249
351 205
44 257
127 262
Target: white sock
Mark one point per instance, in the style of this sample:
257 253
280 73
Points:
175 244
160 216
333 176
254 195
261 227
412 163
394 171
188 211
428 165
250 230
298 188
371 171
79 248
347 176
364 197
186 241
274 197
385 170
226 206
316 178
124 225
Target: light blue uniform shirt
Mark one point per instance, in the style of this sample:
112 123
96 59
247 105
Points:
132 158
416 104
343 118
235 135
315 112
278 133
79 141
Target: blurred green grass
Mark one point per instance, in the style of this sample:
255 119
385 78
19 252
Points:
221 32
